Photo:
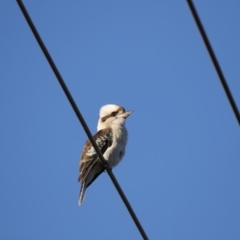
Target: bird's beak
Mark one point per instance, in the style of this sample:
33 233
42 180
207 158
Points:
124 115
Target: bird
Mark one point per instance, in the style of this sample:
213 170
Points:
111 139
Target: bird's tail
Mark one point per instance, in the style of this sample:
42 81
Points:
81 194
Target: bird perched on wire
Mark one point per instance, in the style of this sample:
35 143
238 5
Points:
111 139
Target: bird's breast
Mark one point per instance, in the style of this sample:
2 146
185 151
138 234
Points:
116 151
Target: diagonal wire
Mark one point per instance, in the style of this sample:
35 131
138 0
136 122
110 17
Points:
80 117
214 60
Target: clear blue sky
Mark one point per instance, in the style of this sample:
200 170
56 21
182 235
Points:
181 172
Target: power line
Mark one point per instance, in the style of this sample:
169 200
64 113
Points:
80 117
214 60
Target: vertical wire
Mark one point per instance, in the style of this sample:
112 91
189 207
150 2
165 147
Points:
214 60
81 119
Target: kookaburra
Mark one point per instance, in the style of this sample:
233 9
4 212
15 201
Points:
111 139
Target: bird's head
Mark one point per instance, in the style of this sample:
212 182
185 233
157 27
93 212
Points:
112 114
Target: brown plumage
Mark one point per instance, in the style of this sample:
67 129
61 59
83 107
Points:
90 166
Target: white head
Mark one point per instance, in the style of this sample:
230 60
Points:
112 114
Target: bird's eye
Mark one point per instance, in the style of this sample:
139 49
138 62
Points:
103 119
113 114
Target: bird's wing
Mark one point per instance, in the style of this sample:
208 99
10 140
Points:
89 156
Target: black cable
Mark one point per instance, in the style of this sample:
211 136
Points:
80 117
214 60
